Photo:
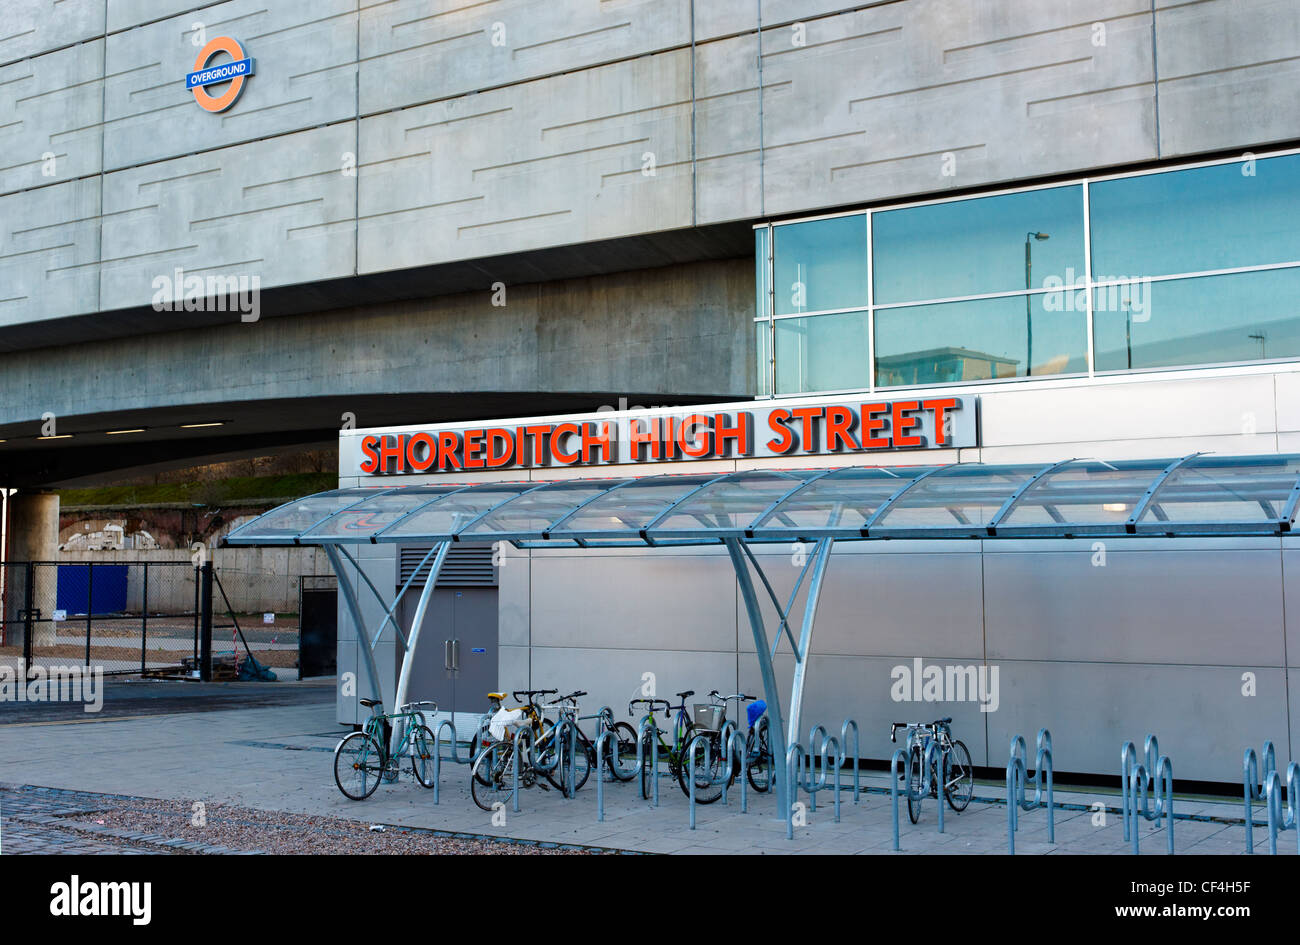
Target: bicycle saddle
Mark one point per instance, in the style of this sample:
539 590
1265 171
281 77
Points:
370 703
498 696
686 695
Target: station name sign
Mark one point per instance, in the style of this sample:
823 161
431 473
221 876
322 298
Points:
700 433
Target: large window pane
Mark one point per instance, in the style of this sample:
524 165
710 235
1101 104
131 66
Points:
1241 317
824 352
981 340
821 265
1192 220
761 273
978 246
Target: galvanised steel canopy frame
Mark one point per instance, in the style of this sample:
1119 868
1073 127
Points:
1199 495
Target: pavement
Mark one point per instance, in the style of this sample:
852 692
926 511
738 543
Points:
275 753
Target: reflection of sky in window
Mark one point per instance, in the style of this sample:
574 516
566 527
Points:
829 259
992 328
825 352
1204 320
970 247
1196 219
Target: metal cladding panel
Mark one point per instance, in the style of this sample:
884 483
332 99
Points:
604 600
1109 604
1198 713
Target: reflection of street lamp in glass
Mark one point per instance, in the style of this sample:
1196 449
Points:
1029 321
1262 338
1128 331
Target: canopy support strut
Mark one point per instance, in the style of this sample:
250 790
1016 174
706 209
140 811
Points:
776 726
354 609
822 555
417 621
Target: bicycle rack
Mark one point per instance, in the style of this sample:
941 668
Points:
1017 778
1135 778
1277 821
610 754
794 763
437 755
738 754
605 721
819 746
522 736
856 756
1252 788
897 765
696 744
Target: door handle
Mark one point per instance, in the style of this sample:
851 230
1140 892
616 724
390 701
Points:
446 654
455 655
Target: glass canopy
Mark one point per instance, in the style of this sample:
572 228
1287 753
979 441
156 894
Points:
1196 495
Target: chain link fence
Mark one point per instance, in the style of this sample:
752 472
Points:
123 617
145 617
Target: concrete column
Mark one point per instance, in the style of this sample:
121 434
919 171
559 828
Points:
33 536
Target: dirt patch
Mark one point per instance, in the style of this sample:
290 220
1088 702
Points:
243 828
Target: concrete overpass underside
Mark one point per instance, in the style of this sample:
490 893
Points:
289 380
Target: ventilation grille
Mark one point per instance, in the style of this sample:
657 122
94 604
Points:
466 566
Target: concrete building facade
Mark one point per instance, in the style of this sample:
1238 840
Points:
511 209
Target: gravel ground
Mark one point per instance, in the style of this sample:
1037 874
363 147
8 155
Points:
242 828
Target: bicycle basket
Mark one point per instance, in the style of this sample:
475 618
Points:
708 717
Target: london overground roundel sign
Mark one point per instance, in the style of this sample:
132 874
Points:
234 74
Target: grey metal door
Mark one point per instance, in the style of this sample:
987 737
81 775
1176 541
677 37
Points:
457 662
471 647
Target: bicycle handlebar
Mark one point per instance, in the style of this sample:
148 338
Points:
529 693
895 726
649 702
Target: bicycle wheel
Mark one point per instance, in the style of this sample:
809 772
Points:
584 758
478 745
708 768
422 756
759 769
623 763
915 779
960 786
358 766
491 781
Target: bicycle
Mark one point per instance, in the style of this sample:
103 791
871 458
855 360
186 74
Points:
954 757
683 728
534 718
363 759
500 766
709 722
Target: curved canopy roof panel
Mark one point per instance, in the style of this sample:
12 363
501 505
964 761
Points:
1196 495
